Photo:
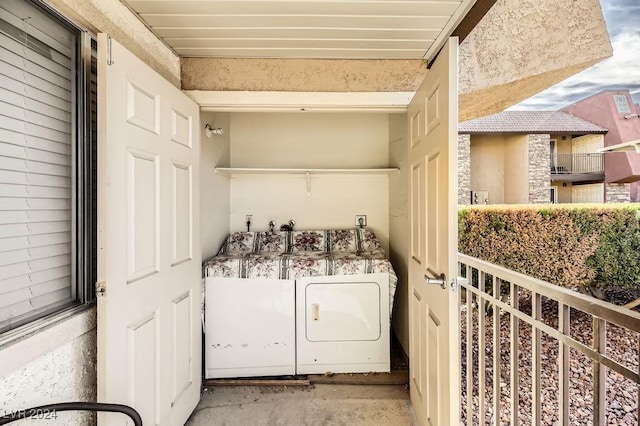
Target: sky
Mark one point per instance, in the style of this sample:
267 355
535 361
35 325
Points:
621 71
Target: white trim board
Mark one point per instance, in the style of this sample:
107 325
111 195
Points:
229 171
245 101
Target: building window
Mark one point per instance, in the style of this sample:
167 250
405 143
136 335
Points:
622 104
47 164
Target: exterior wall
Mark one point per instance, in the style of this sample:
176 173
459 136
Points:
539 169
214 188
317 140
399 238
487 166
464 170
54 364
617 193
302 75
114 18
600 109
563 146
521 47
516 169
565 193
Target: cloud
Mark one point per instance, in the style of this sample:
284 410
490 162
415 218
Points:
620 72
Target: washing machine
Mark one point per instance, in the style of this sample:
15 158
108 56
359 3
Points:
249 327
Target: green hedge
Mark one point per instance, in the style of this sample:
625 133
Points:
585 246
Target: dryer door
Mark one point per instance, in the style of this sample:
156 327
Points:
342 311
342 324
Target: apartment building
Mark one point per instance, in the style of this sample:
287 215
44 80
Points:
520 157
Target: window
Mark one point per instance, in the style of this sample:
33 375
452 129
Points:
554 195
622 104
47 163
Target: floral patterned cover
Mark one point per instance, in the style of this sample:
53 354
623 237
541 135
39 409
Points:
296 254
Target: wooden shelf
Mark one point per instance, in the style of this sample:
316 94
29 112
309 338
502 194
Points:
228 171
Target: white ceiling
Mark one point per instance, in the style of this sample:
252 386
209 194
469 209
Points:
351 29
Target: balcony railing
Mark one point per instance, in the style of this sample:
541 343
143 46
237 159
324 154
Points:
577 163
535 353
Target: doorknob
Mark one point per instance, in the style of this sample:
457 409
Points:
441 280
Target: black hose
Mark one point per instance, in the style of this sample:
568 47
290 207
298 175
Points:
51 409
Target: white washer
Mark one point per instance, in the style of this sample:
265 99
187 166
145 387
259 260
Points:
342 324
249 327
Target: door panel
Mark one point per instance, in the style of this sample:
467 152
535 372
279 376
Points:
149 334
434 340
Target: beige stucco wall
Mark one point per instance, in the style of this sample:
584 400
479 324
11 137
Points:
487 166
520 48
114 18
302 75
516 166
399 224
55 364
524 46
562 146
564 192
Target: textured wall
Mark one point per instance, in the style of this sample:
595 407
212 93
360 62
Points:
464 169
617 193
114 18
302 75
539 169
65 374
524 46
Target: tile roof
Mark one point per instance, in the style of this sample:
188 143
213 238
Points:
529 122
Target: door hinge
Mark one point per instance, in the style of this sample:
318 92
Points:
101 288
109 58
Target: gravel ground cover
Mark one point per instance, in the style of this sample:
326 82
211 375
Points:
621 393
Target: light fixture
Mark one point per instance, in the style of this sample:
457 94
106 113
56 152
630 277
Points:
630 116
208 130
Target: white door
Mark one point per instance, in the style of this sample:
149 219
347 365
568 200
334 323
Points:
584 149
149 333
592 193
434 340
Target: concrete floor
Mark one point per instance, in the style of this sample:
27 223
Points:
304 405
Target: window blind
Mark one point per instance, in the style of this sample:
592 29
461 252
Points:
37 118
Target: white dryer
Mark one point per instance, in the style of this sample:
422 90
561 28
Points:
342 324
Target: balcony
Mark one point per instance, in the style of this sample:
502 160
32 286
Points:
536 353
577 167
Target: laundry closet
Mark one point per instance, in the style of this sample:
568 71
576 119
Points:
319 170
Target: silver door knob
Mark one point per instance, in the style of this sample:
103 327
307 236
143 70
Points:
441 280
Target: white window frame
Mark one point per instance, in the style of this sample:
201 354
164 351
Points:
553 194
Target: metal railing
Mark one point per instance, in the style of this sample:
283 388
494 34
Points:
577 163
556 360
